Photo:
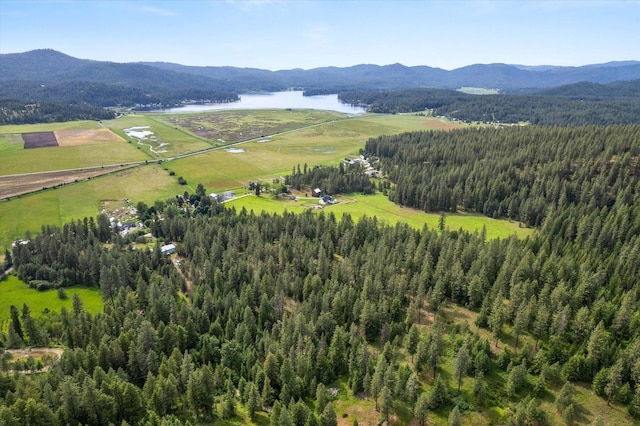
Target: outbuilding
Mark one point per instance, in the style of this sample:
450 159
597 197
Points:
168 249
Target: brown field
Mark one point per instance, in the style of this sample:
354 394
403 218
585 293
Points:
83 137
39 140
11 186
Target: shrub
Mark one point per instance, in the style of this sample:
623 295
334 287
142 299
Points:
41 285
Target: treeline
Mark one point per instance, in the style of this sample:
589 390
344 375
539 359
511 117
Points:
23 112
556 110
343 179
108 95
524 173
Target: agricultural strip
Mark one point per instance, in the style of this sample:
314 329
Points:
71 157
83 137
39 140
58 206
11 186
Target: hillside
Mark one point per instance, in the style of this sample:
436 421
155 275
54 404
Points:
571 105
51 66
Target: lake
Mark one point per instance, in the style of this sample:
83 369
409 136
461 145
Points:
277 100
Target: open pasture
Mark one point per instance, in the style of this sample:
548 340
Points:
11 186
11 142
234 126
168 140
325 144
58 206
86 136
50 127
70 157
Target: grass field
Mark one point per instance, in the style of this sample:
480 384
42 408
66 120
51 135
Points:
50 127
218 170
15 292
323 144
83 137
70 157
358 205
57 206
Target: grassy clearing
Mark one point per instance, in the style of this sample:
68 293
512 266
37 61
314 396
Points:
358 205
15 292
58 206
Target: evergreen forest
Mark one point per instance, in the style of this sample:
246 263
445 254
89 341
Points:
578 104
277 318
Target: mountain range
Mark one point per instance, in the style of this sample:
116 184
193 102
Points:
46 66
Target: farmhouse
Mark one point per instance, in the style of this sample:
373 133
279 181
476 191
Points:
168 249
316 192
228 195
216 197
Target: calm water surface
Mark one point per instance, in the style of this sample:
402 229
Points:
277 100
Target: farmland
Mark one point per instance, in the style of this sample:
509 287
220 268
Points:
323 138
68 146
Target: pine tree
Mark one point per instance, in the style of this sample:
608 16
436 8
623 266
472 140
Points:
461 364
422 408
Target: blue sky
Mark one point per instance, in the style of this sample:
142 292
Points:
283 34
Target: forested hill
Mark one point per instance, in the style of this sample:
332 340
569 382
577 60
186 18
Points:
573 105
523 173
22 112
50 76
47 66
285 316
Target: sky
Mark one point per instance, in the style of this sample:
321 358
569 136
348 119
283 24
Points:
287 34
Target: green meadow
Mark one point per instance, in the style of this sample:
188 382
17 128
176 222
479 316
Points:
50 127
58 206
68 157
358 205
15 292
318 145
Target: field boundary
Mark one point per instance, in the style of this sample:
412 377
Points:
16 185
